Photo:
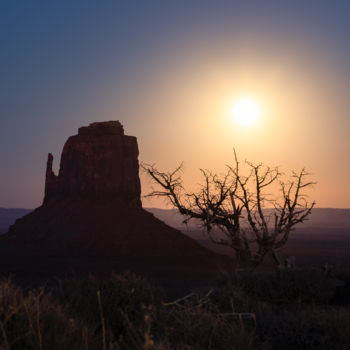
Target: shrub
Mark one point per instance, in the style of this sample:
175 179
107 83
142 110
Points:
318 329
36 321
231 298
286 287
123 300
198 328
342 292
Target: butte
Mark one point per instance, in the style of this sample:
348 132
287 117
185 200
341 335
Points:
92 221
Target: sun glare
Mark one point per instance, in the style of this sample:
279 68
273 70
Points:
245 111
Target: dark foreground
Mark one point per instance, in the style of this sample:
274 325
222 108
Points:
297 309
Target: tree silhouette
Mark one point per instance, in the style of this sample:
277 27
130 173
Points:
236 209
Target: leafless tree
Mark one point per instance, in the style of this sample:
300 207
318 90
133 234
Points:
252 222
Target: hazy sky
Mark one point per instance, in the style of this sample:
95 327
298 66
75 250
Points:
169 71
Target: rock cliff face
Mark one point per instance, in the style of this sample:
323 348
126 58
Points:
99 162
91 218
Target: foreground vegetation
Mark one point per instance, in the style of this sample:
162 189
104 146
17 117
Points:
288 310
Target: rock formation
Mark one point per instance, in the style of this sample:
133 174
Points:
92 218
99 162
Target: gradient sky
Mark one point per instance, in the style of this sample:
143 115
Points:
169 71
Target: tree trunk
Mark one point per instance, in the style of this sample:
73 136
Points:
275 258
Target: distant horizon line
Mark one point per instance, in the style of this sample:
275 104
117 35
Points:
23 208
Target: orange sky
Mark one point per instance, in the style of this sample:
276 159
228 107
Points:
303 119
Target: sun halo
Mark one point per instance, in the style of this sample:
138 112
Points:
245 111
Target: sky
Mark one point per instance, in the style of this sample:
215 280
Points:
170 72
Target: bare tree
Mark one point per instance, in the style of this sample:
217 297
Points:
252 222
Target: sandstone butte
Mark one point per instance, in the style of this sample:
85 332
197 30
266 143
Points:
92 220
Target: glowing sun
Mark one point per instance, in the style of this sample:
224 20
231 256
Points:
245 111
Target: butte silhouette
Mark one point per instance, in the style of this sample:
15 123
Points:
92 219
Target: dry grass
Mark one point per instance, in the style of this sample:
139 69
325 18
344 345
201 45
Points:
126 312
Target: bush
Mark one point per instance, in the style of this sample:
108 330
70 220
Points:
199 328
123 300
231 298
286 287
291 307
342 292
318 329
36 321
